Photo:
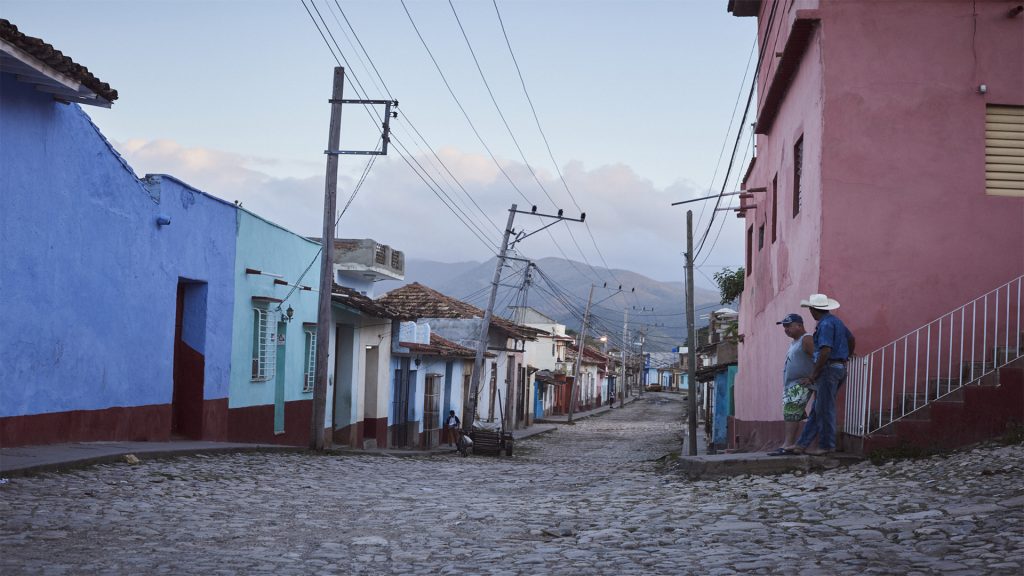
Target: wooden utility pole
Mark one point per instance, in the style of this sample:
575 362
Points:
468 418
481 347
691 400
642 381
579 355
625 337
323 318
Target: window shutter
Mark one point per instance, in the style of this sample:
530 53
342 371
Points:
1004 150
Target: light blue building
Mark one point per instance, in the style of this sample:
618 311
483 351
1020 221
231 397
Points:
276 273
118 291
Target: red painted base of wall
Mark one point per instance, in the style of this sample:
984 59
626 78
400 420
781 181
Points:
136 423
256 424
215 420
351 435
973 414
356 435
376 428
755 436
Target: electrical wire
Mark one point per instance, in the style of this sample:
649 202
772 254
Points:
746 110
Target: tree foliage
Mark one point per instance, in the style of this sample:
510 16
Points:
730 283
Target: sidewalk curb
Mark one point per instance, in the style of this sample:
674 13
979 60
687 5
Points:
584 415
114 457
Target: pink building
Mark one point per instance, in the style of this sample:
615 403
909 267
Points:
872 181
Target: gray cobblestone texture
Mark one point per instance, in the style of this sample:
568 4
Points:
585 499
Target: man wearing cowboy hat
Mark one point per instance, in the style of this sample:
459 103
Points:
833 346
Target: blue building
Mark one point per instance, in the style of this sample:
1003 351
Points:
118 290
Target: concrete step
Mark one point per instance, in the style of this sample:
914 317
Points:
714 466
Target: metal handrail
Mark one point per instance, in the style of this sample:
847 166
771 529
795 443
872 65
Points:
917 369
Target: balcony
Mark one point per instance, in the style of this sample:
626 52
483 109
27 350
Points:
368 260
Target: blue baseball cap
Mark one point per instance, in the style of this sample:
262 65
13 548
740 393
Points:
791 318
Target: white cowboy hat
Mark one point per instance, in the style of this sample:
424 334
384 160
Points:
819 301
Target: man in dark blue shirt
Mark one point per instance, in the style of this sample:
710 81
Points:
833 347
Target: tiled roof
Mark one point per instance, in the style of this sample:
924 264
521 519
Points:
55 59
442 347
418 301
357 301
590 355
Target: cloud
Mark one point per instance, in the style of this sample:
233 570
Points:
630 219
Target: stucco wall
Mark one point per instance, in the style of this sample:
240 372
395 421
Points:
88 279
262 245
905 161
785 271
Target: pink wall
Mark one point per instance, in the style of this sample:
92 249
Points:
904 164
782 272
894 211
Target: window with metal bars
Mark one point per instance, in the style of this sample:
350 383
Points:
309 377
264 344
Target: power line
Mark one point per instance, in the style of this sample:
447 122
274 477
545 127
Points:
494 100
746 111
459 103
409 121
547 145
360 91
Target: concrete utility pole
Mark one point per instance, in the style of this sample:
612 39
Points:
691 401
579 354
481 346
323 316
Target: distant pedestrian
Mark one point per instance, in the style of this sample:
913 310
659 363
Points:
795 391
833 346
452 426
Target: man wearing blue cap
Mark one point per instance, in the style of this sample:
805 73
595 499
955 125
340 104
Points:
795 391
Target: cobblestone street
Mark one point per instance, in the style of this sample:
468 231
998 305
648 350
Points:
584 499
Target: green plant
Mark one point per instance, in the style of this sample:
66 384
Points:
883 455
730 283
1014 434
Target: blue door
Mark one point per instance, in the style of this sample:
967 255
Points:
538 401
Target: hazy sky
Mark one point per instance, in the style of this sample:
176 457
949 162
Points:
635 98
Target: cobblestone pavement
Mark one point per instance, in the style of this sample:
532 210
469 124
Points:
586 499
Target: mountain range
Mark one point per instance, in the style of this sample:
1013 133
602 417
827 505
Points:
559 288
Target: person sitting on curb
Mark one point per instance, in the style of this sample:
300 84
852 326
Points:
453 425
795 392
833 346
